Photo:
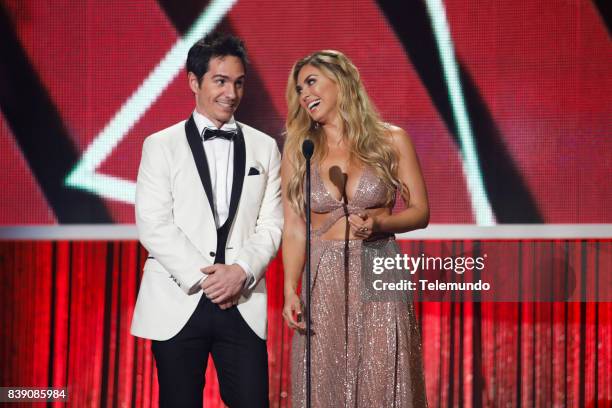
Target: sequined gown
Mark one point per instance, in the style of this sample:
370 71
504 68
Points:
364 353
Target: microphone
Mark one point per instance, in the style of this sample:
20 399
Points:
307 148
307 151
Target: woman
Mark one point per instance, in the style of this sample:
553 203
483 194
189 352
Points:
364 353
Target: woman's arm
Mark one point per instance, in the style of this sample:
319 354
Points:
293 249
413 192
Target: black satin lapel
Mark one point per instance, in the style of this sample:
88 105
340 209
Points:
239 165
197 149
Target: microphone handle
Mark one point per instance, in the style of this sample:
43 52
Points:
308 287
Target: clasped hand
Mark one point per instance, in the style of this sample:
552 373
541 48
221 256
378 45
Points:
224 284
363 225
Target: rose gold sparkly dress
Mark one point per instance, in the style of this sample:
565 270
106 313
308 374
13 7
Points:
365 353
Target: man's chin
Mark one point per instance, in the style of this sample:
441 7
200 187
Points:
224 116
225 113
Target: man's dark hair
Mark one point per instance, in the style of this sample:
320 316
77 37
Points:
211 46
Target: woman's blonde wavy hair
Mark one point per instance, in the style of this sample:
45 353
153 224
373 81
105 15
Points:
367 134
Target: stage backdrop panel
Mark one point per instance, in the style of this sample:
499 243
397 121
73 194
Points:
66 307
508 102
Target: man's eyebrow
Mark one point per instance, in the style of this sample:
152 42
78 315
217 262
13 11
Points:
227 77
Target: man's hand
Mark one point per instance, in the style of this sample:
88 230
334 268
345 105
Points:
229 303
223 284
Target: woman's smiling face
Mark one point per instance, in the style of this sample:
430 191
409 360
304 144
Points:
318 94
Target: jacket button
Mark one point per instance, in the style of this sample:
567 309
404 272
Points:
212 253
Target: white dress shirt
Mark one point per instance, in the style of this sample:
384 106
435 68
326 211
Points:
220 158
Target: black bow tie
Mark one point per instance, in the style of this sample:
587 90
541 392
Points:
214 133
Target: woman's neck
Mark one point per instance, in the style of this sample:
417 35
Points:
333 133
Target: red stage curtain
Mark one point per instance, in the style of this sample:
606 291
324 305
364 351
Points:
67 306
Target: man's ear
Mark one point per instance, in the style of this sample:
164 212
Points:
193 82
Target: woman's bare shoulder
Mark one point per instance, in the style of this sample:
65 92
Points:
398 137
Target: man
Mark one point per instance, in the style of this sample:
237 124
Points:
208 210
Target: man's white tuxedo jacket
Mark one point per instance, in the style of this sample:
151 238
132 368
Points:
176 225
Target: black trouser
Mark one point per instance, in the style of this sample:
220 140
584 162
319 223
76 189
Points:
240 357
